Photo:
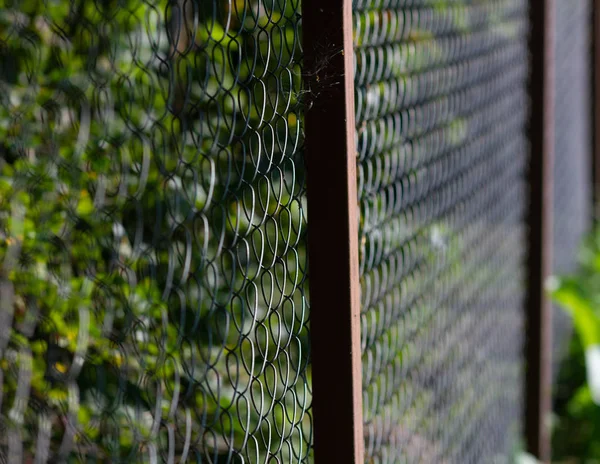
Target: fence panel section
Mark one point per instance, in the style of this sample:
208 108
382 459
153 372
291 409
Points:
152 250
441 111
572 145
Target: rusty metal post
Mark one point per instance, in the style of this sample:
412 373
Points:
333 232
539 311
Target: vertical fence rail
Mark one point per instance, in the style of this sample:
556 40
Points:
333 233
596 109
539 321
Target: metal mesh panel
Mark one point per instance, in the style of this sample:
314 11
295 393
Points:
152 253
441 108
572 145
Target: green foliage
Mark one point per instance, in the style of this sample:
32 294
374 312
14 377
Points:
145 201
576 436
576 425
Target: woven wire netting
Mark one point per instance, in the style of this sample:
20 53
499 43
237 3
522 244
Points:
152 255
572 147
441 109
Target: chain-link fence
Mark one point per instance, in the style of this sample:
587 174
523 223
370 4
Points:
154 301
442 152
152 244
572 147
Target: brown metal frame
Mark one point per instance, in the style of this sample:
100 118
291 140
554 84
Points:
596 109
333 235
333 232
538 397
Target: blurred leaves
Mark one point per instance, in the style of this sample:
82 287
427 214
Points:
151 221
577 424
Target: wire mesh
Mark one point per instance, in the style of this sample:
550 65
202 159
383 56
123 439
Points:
572 147
152 221
154 303
441 110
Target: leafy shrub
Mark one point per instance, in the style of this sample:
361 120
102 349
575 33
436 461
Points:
152 264
577 423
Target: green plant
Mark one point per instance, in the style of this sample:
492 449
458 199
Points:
151 261
577 422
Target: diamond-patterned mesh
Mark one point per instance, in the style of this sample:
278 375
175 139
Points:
152 252
572 146
441 109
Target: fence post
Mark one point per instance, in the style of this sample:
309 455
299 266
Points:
330 154
596 109
539 310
